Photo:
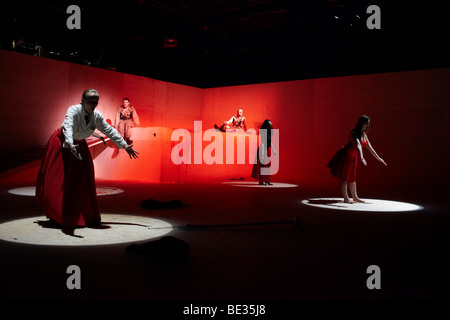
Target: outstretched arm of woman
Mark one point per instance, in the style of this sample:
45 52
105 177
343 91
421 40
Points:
372 151
273 149
359 148
112 133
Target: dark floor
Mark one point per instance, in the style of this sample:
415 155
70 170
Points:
325 257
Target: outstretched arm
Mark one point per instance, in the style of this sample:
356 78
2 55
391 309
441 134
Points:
98 136
112 133
359 148
273 149
67 129
372 151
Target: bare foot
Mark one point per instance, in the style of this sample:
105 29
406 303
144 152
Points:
348 201
359 200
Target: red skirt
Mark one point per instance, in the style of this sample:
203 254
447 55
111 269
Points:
256 171
343 164
66 185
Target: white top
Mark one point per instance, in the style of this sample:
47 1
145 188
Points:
75 127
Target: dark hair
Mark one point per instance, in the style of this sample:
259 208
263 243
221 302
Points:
85 92
356 132
126 99
268 126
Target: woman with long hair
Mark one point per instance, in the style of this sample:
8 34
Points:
344 162
264 152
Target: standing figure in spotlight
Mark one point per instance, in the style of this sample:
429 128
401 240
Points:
126 118
65 182
237 122
264 151
344 162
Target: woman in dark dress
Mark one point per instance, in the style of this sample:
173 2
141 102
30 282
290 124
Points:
264 151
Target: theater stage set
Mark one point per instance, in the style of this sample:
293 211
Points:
239 240
202 231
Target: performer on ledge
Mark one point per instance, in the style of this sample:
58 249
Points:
237 122
65 182
126 118
344 162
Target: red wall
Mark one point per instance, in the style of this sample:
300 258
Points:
409 118
37 92
409 113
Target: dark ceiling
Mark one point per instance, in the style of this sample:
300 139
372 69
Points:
229 42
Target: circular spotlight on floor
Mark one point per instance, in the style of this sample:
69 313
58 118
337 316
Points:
106 191
371 205
115 228
251 184
25 191
31 191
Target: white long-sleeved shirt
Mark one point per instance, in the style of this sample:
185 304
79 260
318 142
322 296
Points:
75 127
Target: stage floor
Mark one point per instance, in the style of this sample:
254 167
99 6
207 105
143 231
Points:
290 241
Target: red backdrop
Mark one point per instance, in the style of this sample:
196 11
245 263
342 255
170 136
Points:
409 113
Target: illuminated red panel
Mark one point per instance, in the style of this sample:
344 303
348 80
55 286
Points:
409 113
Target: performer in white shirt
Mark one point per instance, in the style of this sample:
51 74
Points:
66 183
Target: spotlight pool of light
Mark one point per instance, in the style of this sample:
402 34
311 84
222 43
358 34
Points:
31 191
370 205
251 184
115 228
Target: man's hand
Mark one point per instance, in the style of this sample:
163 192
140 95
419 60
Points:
131 152
73 149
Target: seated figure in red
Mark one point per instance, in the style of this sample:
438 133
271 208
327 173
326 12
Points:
344 162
